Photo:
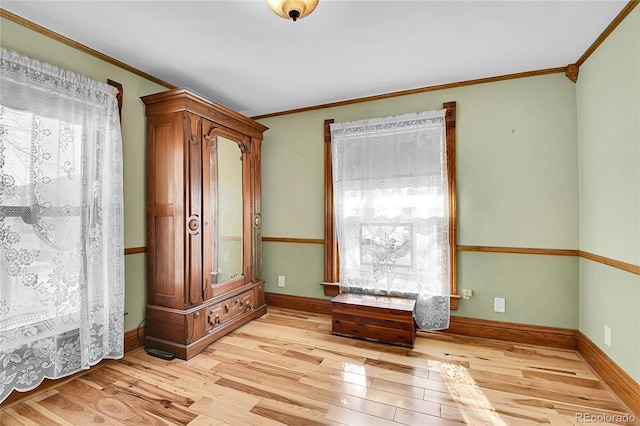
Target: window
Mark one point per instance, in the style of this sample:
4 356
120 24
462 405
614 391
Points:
61 223
402 234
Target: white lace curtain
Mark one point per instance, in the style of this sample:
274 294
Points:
61 223
391 210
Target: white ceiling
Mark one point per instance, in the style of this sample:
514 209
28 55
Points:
242 55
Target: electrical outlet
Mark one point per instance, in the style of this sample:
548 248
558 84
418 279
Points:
607 335
280 280
467 293
499 304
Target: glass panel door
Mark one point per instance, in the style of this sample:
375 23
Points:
226 210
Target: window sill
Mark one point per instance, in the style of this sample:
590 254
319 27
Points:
333 289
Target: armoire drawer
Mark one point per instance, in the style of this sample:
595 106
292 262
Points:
219 314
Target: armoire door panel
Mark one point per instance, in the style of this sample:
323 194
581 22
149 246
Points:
208 219
166 165
247 210
165 211
256 214
193 192
165 248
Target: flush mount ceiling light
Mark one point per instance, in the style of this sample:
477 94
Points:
292 9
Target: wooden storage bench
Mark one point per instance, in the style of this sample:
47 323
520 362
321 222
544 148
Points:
377 318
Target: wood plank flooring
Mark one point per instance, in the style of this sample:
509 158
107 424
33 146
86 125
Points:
287 368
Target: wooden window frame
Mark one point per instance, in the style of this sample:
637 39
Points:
119 96
331 260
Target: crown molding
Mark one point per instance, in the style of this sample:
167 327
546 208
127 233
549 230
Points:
416 91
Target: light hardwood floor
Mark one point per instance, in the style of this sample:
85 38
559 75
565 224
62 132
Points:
287 368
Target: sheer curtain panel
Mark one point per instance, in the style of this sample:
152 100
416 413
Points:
391 210
61 224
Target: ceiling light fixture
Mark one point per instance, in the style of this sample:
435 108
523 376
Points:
292 9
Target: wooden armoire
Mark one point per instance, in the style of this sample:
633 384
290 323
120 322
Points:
203 222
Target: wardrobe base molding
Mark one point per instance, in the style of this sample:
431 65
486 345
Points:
185 333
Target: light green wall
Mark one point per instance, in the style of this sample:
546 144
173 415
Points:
538 289
608 110
43 48
608 104
300 264
517 187
610 296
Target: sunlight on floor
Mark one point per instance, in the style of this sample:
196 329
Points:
464 390
473 406
353 373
